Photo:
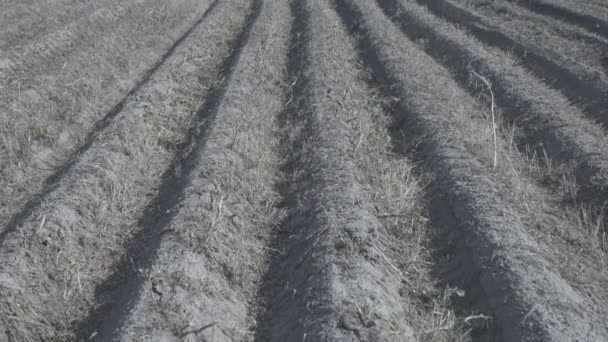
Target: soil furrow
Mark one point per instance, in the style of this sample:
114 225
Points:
576 45
333 276
529 296
54 51
591 23
539 117
72 241
304 170
585 88
58 122
201 277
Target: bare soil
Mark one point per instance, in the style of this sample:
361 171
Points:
54 102
303 170
576 43
584 86
591 15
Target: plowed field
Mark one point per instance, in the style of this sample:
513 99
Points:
303 170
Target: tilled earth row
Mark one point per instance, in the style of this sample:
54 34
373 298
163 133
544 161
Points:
306 170
58 92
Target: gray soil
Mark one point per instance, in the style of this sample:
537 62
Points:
583 86
55 104
539 118
330 236
204 273
576 44
26 20
591 15
506 256
80 228
303 170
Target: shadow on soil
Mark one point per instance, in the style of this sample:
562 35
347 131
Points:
116 296
453 267
588 22
538 139
586 92
271 291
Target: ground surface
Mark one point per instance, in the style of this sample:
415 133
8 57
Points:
304 170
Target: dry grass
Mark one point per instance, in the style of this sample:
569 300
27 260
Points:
398 196
51 106
229 207
27 20
523 169
538 181
230 203
246 171
85 222
584 215
428 89
526 172
574 44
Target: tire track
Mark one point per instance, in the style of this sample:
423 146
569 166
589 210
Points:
73 240
44 177
529 298
590 23
543 118
584 88
202 274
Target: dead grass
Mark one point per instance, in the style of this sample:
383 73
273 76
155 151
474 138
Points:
539 182
430 90
87 222
523 169
397 195
229 208
584 214
526 172
51 106
25 21
87 219
574 44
